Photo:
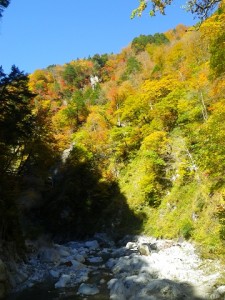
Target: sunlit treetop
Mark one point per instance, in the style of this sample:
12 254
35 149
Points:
199 8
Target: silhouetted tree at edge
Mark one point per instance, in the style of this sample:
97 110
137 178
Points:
3 5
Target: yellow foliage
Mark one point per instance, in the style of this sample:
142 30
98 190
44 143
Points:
154 90
156 141
213 25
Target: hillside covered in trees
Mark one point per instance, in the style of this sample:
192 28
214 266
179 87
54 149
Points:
144 134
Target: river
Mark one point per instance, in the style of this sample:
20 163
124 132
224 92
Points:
138 268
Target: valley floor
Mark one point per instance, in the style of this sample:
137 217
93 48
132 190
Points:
138 267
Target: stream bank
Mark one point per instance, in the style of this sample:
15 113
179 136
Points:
138 267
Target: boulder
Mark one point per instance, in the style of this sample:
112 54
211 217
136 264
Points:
131 245
88 289
144 249
79 258
218 293
76 265
54 274
93 245
129 264
63 280
111 263
117 290
163 289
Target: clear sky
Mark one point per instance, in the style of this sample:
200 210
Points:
37 33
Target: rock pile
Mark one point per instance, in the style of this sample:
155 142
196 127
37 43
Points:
139 268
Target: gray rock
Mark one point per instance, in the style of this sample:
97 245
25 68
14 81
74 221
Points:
131 245
96 259
111 263
77 265
120 252
79 258
218 293
221 289
117 290
93 245
144 249
162 289
88 289
54 274
64 279
129 264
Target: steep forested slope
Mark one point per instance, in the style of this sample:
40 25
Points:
146 128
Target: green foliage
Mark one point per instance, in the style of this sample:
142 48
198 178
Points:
150 181
217 58
17 121
209 145
201 9
124 140
27 147
74 75
139 43
186 229
148 139
133 67
99 62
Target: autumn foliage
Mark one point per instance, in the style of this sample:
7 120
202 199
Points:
153 124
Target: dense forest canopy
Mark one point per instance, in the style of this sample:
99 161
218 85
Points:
128 142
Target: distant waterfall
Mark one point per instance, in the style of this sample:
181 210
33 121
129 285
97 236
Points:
66 153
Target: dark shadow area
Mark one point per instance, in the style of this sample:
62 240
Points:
78 203
163 290
27 150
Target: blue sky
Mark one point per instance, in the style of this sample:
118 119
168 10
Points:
37 33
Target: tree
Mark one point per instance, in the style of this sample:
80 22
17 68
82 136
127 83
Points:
3 5
217 59
25 130
139 43
133 67
201 8
16 118
26 147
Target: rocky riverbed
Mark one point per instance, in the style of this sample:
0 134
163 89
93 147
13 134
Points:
138 267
